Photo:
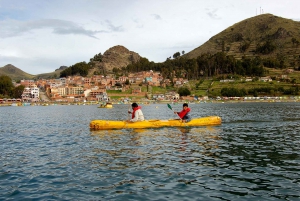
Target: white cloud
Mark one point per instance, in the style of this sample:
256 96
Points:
12 28
157 17
40 36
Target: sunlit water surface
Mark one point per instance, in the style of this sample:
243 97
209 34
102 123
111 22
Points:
49 153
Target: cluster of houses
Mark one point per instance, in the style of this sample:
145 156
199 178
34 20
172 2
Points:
78 88
264 79
250 79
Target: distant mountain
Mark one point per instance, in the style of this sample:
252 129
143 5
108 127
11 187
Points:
115 57
17 74
51 75
264 35
14 73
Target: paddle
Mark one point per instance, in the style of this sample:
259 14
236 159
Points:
128 119
169 106
128 113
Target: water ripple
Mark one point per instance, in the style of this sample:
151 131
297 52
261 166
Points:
48 155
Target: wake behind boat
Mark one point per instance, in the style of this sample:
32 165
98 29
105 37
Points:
154 123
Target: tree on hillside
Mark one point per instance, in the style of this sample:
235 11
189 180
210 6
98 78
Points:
206 65
97 57
183 91
6 86
233 92
18 91
81 68
265 48
295 41
176 55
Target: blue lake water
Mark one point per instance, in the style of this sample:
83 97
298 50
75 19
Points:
49 153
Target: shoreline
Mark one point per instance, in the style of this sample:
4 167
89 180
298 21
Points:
150 102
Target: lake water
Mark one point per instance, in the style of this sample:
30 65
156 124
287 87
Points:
49 153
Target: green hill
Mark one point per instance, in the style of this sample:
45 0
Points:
264 35
15 73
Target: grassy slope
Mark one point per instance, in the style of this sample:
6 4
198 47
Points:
54 74
255 30
216 86
17 74
14 73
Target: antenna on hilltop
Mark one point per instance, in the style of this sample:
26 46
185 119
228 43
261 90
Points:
261 11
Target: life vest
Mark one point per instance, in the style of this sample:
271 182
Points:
135 109
184 112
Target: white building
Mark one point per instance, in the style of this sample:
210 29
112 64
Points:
31 94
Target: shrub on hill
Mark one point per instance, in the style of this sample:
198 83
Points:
183 91
81 68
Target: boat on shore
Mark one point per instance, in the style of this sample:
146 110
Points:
154 123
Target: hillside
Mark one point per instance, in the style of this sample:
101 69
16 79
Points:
17 74
253 36
14 73
116 57
54 74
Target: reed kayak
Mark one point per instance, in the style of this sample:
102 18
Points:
154 123
107 105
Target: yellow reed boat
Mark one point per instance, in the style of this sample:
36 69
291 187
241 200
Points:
154 123
107 105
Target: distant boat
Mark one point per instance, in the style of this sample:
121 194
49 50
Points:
107 105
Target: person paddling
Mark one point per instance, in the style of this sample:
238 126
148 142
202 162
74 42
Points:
184 114
137 114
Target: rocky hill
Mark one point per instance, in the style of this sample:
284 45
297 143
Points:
264 35
116 57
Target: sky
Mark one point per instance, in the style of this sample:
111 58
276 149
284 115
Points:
39 36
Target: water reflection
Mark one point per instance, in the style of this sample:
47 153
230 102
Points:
184 145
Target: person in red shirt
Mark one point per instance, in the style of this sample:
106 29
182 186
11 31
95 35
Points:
184 114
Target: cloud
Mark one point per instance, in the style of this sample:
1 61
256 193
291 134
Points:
139 25
157 17
213 15
12 28
114 28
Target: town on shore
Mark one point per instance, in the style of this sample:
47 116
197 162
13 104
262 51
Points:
125 89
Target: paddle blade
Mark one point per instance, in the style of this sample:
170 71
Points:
169 106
